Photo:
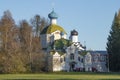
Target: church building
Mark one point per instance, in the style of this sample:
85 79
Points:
67 54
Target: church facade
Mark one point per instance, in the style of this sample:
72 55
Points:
69 54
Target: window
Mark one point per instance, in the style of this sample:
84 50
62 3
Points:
96 58
88 58
82 60
78 58
72 56
103 58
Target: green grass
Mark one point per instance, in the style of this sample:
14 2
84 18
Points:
61 76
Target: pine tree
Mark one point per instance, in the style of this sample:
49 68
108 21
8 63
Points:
113 44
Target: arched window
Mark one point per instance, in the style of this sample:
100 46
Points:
72 56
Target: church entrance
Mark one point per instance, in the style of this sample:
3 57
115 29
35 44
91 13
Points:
72 66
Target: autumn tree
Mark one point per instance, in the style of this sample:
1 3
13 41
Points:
7 26
39 56
25 36
30 46
38 24
38 61
9 46
20 49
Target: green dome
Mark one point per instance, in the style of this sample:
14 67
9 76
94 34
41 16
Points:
53 15
52 28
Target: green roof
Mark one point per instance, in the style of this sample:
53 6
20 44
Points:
59 46
61 43
83 53
52 28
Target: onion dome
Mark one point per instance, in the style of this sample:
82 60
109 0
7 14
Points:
53 15
74 32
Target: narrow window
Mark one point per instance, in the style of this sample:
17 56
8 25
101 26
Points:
82 60
72 56
78 58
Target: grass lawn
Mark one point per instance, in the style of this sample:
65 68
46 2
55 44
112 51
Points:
61 76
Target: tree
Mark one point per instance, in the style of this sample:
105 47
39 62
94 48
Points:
38 24
25 36
26 42
33 57
20 50
38 62
10 61
113 44
7 26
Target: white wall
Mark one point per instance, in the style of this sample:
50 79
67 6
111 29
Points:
88 62
56 62
53 21
74 38
46 39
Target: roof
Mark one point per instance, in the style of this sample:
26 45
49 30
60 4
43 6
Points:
52 28
74 32
82 53
62 42
60 46
98 52
52 52
53 15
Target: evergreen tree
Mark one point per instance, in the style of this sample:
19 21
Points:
113 44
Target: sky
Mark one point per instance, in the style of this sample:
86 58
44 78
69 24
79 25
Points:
91 18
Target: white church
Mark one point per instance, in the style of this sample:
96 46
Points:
69 54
